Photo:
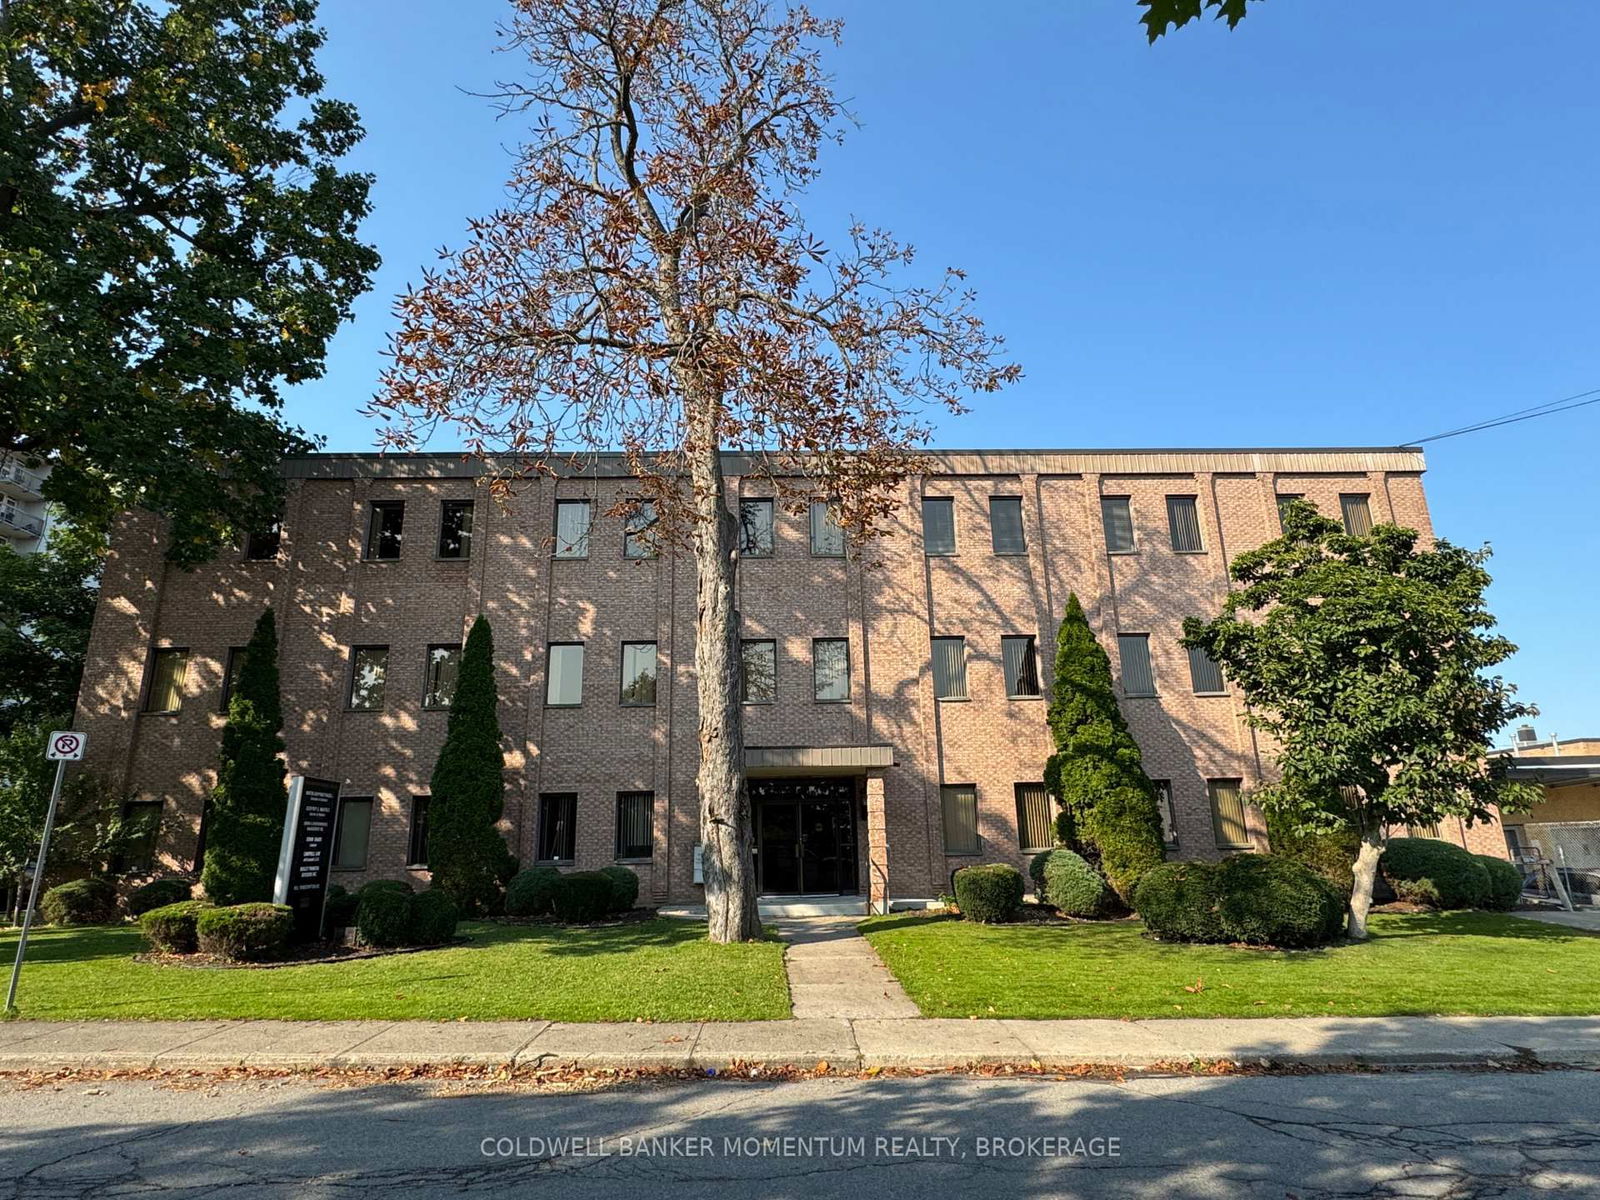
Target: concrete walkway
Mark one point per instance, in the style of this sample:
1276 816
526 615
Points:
835 972
1584 918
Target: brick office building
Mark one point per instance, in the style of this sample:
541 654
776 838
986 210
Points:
896 712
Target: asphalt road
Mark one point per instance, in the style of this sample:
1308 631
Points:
1435 1134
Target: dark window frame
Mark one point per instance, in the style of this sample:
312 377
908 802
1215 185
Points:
1175 503
587 506
1366 512
655 675
1021 550
338 833
566 828
417 833
427 670
1198 659
622 851
1149 662
1106 527
933 662
1168 811
350 679
1030 667
945 504
815 681
464 535
126 863
744 679
1284 499
232 665
157 653
378 537
971 789
758 504
255 541
550 649
1050 834
829 519
1216 813
639 532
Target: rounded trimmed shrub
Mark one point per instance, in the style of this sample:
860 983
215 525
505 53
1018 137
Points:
433 918
990 893
245 932
339 908
158 894
1073 887
172 928
79 902
1036 872
1270 900
582 896
528 894
383 916
1180 902
1505 883
624 887
1433 873
382 885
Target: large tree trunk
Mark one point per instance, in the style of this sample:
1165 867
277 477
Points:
1373 838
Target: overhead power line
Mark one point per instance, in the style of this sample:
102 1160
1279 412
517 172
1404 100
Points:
1565 404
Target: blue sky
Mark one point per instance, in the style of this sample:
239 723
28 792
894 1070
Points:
1341 224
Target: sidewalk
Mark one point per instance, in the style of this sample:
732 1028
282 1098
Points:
845 1044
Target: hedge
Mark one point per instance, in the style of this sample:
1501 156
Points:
80 902
1257 899
1180 902
528 894
624 887
990 893
433 918
383 916
1436 874
582 896
172 927
339 908
1505 883
382 885
158 894
1036 870
245 932
1073 887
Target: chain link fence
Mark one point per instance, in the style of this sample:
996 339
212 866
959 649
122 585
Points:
1560 860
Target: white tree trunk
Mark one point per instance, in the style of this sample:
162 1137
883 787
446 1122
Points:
1373 839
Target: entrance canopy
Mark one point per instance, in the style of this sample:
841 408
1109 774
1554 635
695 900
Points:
816 760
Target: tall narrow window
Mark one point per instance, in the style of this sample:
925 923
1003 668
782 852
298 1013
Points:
455 529
385 525
1227 814
354 834
1169 824
141 821
755 528
949 668
417 842
959 807
938 525
564 680
1116 515
1183 522
1357 514
369 672
1036 822
1005 525
1020 657
827 535
572 529
830 666
1205 674
636 819
231 672
639 533
1285 499
439 675
758 671
1137 677
264 544
169 667
638 674
558 826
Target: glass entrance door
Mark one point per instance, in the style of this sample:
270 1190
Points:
805 836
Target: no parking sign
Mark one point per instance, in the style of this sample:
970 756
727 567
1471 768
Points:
65 746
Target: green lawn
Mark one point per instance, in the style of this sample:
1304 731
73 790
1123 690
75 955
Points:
1465 963
661 970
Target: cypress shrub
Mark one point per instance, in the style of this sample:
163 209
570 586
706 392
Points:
244 826
245 932
624 887
1269 900
433 918
158 894
580 896
79 902
466 852
990 893
172 928
1505 883
1109 815
383 917
1433 873
1073 887
1180 902
528 894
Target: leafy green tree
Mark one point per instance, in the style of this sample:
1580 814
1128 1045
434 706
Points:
177 241
46 608
1162 15
244 824
1364 658
466 852
1109 812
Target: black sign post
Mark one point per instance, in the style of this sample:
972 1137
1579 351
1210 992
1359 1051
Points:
306 853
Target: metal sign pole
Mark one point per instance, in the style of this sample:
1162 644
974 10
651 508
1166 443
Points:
33 891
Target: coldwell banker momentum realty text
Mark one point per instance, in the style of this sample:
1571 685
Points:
802 1146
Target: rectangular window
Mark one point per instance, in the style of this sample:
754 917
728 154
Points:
1425 831
230 676
1284 500
1137 677
1227 814
638 674
1005 525
417 842
558 826
959 806
1205 674
830 668
639 531
141 820
455 529
169 667
572 529
439 682
1020 657
938 525
1116 515
564 679
354 834
1357 514
384 528
369 671
827 535
1169 824
1183 521
758 672
636 821
264 544
1036 821
755 528
949 668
